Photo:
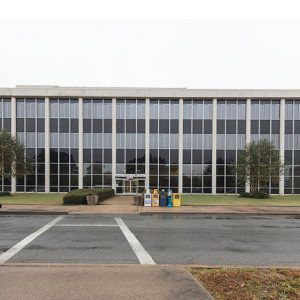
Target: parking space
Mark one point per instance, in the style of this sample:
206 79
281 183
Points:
161 239
15 228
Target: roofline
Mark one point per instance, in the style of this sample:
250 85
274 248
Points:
144 92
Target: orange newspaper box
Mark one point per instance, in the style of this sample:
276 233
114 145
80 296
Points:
155 198
176 199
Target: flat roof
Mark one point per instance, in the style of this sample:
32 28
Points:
143 92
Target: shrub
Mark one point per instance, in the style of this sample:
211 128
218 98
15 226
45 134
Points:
260 195
245 195
4 194
78 197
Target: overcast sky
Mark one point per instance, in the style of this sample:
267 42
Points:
217 50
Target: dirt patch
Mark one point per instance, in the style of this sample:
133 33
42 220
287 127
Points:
250 284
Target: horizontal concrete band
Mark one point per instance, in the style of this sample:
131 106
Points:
56 91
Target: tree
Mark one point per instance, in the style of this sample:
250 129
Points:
12 156
258 163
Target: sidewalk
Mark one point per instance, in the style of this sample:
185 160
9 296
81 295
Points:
132 209
99 282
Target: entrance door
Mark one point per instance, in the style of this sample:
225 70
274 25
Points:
130 186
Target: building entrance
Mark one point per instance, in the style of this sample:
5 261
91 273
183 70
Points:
130 186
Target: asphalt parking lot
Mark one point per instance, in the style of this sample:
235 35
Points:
157 239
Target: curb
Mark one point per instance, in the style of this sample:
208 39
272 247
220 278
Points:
223 213
28 212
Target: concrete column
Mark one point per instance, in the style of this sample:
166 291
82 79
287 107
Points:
147 144
14 134
180 149
80 143
114 141
282 136
47 145
248 133
214 148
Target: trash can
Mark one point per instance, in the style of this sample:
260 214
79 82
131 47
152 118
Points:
163 198
176 199
147 198
155 198
169 198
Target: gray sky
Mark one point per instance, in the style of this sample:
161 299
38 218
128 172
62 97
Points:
203 53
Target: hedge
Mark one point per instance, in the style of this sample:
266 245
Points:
78 197
4 194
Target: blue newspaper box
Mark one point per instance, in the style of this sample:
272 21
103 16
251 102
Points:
163 198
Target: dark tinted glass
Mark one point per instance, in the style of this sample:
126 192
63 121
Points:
230 126
173 156
254 126
87 125
187 128
40 125
289 127
107 126
230 156
141 126
120 123
120 156
74 156
220 126
265 127
153 126
297 157
131 126
130 156
197 126
153 156
207 157
30 125
207 126
40 155
241 126
20 125
87 156
220 156
30 154
187 157
54 125
107 156
97 126
64 125
297 127
7 124
174 126
64 155
53 155
197 156
275 126
74 125
163 126
163 156
97 155
141 156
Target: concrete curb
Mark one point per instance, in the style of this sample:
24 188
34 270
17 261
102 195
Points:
223 213
29 212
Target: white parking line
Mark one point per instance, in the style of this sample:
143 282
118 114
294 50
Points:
4 257
142 255
86 225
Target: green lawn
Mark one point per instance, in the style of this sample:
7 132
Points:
235 200
32 198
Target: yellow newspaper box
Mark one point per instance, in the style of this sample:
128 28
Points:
155 198
176 199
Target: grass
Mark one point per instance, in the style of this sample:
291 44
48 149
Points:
32 198
246 284
276 200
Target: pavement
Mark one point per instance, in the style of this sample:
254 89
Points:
215 240
117 208
99 282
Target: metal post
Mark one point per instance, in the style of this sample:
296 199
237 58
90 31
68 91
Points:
47 145
214 148
282 146
80 143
